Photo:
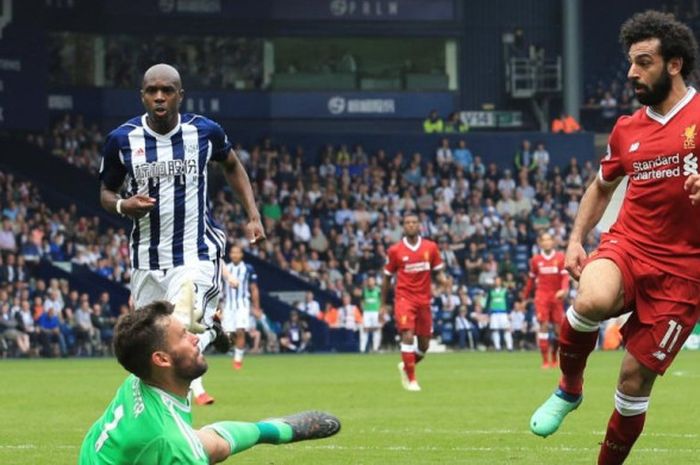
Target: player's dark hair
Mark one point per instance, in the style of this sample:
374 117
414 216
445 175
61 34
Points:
140 333
410 213
543 233
677 40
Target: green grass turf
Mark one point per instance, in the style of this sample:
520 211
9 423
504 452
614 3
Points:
474 409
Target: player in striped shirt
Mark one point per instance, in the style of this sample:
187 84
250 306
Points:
240 290
160 159
149 421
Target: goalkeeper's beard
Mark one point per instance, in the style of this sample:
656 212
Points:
189 370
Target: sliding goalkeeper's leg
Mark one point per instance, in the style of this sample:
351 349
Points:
227 438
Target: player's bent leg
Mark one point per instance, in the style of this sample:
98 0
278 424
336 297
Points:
601 295
226 438
579 333
631 403
601 291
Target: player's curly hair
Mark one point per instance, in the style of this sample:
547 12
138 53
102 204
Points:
677 40
140 333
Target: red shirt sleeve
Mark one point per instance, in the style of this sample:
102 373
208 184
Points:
436 260
390 268
565 279
531 276
611 166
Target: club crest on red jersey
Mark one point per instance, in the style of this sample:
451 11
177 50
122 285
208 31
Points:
689 137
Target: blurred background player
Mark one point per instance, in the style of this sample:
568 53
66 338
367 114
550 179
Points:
241 290
149 421
649 262
372 316
413 261
174 239
549 278
499 315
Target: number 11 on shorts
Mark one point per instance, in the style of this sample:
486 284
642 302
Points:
674 329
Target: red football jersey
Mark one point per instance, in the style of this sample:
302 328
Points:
413 266
548 274
658 154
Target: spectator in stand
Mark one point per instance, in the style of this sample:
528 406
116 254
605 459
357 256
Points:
518 324
525 158
454 124
84 330
349 315
302 232
295 336
330 315
26 324
443 155
506 183
465 329
310 306
608 105
50 335
7 236
463 156
103 323
10 331
433 123
541 157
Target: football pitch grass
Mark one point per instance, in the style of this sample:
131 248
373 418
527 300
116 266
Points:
474 409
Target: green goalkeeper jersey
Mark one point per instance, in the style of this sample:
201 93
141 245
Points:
143 425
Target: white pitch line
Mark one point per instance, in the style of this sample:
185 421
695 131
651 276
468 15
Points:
34 446
484 432
489 449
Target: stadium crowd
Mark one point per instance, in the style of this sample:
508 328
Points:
330 223
218 62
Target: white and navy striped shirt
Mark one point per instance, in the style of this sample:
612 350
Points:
172 168
239 297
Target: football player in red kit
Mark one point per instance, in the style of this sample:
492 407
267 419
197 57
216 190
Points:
649 262
551 282
413 260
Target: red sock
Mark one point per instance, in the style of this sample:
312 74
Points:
543 343
620 437
554 349
574 349
409 364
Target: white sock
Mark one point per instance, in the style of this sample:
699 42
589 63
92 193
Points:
238 354
205 339
508 336
580 322
363 339
496 339
376 339
197 387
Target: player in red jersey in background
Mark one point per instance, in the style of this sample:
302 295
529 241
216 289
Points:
413 260
649 262
551 282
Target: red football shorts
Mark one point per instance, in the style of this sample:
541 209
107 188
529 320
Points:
664 307
549 309
410 315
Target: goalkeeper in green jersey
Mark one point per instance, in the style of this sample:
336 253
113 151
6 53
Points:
149 421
